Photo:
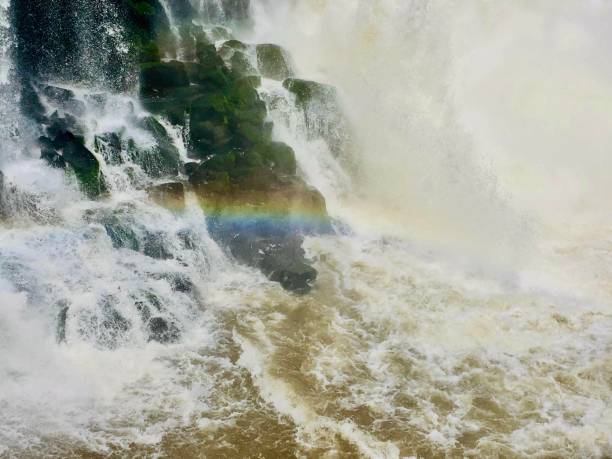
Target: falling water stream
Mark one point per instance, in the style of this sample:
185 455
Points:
463 306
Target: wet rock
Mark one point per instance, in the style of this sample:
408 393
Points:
64 99
121 234
148 304
160 161
109 146
273 62
62 317
156 78
106 326
155 246
179 282
279 256
232 45
241 63
53 158
188 239
239 165
66 149
211 78
30 103
322 112
206 55
3 205
162 330
84 163
169 195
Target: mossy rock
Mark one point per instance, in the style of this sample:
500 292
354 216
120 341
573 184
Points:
322 111
303 89
121 234
161 161
109 146
278 156
212 78
206 55
241 64
78 157
210 138
149 52
156 78
273 62
234 45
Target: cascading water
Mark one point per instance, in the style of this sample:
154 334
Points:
448 318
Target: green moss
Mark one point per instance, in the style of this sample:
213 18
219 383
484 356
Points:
273 62
303 89
279 156
156 78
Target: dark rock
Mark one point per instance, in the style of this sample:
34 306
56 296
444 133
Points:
3 205
241 63
210 77
109 146
273 62
63 148
178 281
162 330
147 304
84 163
206 54
62 317
232 45
155 246
106 326
169 195
156 78
57 126
121 234
160 161
322 112
64 99
53 158
30 103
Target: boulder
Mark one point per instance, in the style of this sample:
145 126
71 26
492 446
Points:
273 62
157 78
64 99
155 246
109 146
322 112
163 159
121 233
162 330
66 149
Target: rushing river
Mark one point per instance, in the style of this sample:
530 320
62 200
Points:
464 301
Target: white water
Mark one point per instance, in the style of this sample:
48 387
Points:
467 311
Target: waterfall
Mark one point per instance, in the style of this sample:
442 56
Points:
462 304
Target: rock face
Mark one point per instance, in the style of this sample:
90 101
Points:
62 148
247 183
322 112
256 204
273 62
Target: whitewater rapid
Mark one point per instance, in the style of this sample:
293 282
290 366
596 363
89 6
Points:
456 313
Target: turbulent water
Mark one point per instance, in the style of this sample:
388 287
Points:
464 303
